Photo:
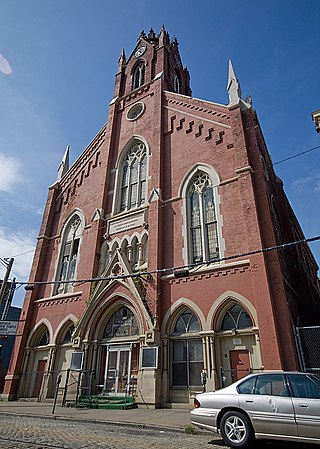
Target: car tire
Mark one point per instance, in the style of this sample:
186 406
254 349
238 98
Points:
236 430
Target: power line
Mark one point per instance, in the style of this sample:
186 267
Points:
182 198
172 269
295 155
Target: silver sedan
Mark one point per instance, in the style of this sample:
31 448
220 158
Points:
269 405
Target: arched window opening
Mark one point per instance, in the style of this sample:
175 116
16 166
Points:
186 352
236 317
203 220
138 76
176 83
68 335
69 256
134 178
187 322
122 323
43 339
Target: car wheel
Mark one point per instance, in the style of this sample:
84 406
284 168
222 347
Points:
236 430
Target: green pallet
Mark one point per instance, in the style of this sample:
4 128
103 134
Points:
104 402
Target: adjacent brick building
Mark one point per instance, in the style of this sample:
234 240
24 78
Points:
167 207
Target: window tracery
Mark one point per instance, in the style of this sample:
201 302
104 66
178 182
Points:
134 178
203 220
69 256
122 323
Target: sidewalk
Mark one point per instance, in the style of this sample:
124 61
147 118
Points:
167 419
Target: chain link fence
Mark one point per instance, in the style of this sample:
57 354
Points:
308 339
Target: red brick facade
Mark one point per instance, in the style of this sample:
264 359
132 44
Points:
141 224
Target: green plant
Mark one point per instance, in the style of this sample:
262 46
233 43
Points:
190 430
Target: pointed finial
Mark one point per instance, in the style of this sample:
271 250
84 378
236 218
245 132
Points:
122 60
151 34
233 87
64 164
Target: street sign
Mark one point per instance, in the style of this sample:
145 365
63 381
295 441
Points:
8 327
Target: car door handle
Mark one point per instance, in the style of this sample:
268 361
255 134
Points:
303 405
249 400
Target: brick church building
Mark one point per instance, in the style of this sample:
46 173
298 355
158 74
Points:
149 266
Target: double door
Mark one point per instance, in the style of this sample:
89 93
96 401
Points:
117 372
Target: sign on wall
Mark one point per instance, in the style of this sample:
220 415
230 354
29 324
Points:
149 357
76 360
8 327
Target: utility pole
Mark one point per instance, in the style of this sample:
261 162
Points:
8 264
7 305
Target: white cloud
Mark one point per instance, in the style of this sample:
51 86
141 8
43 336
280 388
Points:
10 172
20 244
311 182
5 66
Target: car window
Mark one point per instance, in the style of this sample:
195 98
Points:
247 387
304 386
271 385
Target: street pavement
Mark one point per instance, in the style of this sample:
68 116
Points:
165 419
33 425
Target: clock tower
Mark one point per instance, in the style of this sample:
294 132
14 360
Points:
153 56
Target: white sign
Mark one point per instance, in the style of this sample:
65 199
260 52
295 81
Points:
8 327
123 224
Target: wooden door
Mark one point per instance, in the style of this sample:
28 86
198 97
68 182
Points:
39 377
239 363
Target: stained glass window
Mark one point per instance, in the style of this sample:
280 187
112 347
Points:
122 323
134 175
203 220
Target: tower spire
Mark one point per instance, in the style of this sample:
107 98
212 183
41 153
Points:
64 164
234 90
122 60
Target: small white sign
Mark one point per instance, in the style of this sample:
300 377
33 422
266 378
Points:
123 224
237 341
8 327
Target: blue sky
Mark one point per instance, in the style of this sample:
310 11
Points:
57 66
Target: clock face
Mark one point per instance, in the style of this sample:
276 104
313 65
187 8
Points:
140 51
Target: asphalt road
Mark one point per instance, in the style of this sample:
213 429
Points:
43 433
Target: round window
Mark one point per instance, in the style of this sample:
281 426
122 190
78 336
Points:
135 111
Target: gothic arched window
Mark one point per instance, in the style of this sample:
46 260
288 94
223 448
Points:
236 317
134 178
203 229
186 351
122 323
176 83
138 75
69 254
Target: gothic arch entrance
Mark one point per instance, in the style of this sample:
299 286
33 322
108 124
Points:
118 353
237 348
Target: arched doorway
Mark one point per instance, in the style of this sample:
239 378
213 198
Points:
186 356
36 364
237 348
119 353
